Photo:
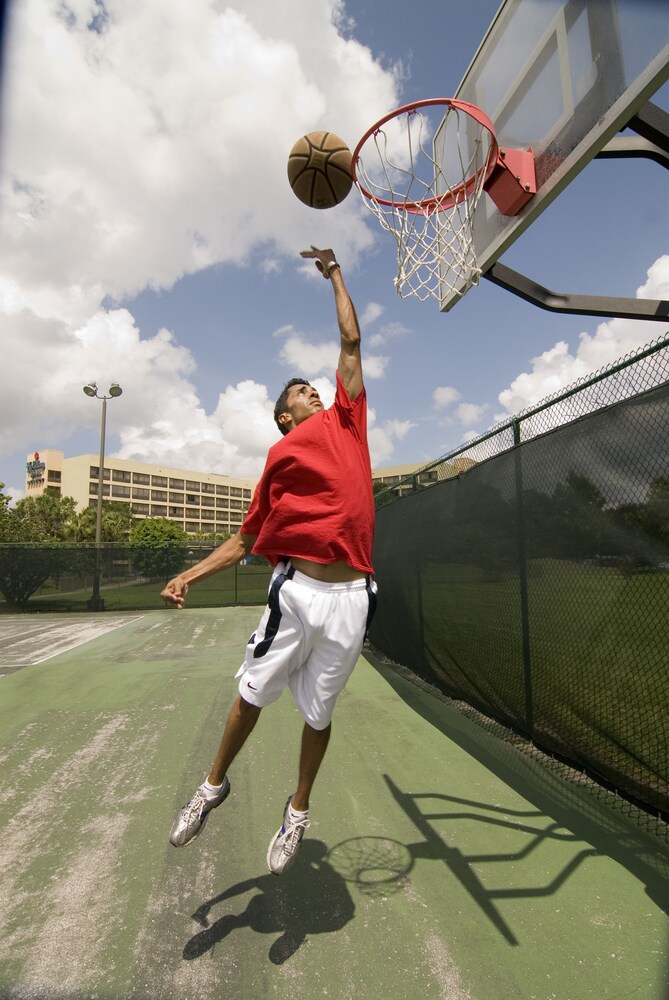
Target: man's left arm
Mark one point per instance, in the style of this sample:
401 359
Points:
350 358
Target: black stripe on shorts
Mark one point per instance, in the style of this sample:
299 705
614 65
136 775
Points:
274 619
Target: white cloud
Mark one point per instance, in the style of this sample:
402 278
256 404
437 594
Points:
558 368
389 331
444 395
470 413
382 438
309 359
134 154
370 314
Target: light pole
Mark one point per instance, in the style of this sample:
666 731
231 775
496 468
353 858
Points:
96 603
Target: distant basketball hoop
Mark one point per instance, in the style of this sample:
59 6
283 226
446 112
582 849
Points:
424 184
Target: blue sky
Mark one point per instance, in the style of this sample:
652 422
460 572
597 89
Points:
151 237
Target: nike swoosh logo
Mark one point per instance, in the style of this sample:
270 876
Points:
248 684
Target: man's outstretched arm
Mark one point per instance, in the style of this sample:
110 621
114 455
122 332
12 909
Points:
226 555
350 359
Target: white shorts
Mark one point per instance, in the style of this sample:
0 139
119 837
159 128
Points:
309 639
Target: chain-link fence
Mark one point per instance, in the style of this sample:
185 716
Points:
527 574
61 577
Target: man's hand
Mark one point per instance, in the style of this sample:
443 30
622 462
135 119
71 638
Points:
324 259
175 592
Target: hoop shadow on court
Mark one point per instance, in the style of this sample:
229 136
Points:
533 823
313 900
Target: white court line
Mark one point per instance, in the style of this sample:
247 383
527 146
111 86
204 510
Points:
82 642
61 638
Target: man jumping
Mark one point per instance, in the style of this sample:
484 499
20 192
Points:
312 516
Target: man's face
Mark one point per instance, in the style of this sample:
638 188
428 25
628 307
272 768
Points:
303 401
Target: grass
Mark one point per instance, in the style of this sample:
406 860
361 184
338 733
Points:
597 648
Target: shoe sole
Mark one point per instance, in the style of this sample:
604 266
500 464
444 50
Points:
197 833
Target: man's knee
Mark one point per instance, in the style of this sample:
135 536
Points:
246 709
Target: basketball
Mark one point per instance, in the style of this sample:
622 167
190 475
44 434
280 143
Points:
319 169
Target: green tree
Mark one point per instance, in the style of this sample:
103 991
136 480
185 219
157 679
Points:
158 547
116 522
49 517
5 519
35 533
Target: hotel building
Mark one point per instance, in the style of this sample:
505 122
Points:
197 501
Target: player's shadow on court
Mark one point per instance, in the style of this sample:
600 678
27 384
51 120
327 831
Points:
312 899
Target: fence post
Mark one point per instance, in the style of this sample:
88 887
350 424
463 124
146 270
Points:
522 574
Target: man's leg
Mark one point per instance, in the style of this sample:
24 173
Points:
285 843
314 745
192 817
238 728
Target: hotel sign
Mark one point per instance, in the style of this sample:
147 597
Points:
35 469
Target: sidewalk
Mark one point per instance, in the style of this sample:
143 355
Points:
441 863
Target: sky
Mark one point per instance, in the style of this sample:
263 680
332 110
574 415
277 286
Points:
150 237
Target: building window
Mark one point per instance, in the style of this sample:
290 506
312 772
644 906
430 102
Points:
94 472
236 505
222 503
157 510
93 490
208 502
159 480
138 494
208 515
176 484
191 498
53 489
140 508
222 491
54 477
235 491
247 494
119 476
141 477
176 512
192 526
190 485
176 498
208 488
158 495
121 491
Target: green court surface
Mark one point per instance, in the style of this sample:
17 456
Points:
441 863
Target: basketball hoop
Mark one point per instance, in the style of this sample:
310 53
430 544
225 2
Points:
423 186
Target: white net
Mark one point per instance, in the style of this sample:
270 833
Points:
423 186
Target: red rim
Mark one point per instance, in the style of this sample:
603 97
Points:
434 204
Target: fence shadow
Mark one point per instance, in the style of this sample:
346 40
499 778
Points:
574 807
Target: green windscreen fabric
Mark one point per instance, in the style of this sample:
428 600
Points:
535 586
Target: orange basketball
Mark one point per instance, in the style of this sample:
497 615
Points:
319 169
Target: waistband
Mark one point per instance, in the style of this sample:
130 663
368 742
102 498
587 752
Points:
308 581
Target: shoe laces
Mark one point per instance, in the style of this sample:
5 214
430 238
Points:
195 807
293 833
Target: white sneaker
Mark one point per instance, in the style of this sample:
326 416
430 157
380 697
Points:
286 842
192 817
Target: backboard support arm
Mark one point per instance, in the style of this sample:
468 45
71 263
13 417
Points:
582 305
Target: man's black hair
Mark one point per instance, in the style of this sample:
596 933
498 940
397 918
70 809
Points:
281 402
